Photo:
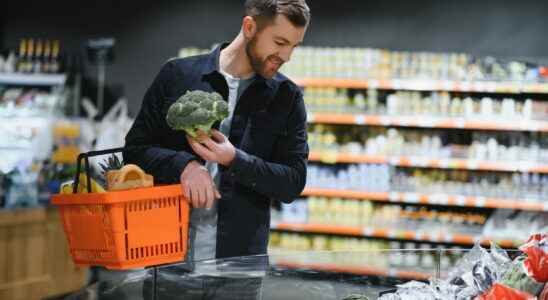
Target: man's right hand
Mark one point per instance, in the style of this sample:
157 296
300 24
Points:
198 187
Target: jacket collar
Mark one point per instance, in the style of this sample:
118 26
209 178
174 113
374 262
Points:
211 65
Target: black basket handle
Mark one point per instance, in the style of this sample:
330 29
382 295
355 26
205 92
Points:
86 155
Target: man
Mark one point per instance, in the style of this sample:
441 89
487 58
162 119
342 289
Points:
259 153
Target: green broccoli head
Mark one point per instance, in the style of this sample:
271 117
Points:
196 110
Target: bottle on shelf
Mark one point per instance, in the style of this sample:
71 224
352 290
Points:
29 62
46 57
54 62
22 59
37 63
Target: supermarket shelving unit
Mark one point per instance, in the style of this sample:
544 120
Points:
333 157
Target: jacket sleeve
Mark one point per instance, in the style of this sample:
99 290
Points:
149 130
285 178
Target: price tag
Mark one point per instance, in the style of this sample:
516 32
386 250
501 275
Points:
373 83
310 118
479 86
419 161
274 224
545 206
360 119
465 86
391 234
531 126
403 122
329 157
394 161
525 166
385 121
444 163
480 201
459 123
491 87
394 197
472 164
426 123
448 85
397 84
460 200
440 199
411 198
368 231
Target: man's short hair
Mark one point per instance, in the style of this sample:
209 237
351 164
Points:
264 11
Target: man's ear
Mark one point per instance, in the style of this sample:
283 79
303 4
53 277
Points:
249 27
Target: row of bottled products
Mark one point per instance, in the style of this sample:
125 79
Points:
525 186
412 260
502 224
33 56
433 144
332 62
433 104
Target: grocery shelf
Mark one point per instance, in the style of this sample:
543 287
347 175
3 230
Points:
33 79
332 157
428 85
429 199
358 270
427 122
462 239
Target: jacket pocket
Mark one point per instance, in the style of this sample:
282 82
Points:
261 133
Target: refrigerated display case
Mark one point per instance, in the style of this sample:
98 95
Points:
298 275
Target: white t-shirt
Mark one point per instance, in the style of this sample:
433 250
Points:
204 221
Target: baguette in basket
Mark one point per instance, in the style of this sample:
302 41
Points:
129 176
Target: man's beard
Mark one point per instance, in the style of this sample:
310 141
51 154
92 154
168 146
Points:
257 64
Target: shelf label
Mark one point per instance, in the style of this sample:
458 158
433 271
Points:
440 199
373 83
397 84
411 198
394 161
426 123
472 164
310 118
444 163
460 200
480 201
491 87
368 231
447 85
419 161
459 123
385 121
394 197
359 120
329 157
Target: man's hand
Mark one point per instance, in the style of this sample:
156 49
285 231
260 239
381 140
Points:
216 149
198 186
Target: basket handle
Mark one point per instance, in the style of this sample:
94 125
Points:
86 155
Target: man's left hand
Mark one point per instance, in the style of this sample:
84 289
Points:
216 148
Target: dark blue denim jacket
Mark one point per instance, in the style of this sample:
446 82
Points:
268 129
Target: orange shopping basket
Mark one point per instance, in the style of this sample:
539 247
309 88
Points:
124 229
